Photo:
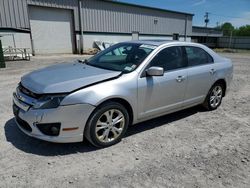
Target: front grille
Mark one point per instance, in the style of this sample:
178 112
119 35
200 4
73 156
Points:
23 124
28 92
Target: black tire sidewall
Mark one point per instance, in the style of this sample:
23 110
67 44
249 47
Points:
91 125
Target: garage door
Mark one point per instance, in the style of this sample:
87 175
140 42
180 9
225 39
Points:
51 30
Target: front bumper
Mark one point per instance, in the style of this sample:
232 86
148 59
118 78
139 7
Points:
72 119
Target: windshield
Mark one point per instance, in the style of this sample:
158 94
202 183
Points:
124 57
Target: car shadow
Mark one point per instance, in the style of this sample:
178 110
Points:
163 120
38 147
35 146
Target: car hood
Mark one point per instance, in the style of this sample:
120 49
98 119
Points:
65 77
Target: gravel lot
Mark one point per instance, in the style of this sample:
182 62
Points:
191 148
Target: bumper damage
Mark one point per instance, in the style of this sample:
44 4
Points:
70 121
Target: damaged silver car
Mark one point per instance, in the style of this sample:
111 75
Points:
127 83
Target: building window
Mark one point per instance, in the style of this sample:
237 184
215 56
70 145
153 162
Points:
176 36
155 21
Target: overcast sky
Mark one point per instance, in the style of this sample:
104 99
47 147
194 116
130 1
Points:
235 11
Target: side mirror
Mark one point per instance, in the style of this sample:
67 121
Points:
155 71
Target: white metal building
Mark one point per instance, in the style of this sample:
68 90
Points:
68 26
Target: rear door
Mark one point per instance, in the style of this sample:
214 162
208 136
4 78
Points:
201 75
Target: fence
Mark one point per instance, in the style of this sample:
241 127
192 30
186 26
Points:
234 42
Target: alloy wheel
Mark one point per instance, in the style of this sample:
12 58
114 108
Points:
216 96
110 125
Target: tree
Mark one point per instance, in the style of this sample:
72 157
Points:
243 31
227 28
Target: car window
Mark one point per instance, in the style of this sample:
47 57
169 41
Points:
197 56
113 56
124 57
169 58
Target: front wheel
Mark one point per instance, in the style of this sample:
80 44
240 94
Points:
107 125
214 97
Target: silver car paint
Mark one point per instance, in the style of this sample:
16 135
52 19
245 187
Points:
66 77
146 104
62 115
149 97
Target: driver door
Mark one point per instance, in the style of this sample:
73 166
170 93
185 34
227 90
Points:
162 94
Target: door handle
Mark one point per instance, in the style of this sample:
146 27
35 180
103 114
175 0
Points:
212 71
180 78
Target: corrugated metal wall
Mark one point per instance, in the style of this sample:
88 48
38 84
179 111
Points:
110 17
100 16
14 14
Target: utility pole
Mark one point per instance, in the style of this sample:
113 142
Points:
206 23
2 63
230 39
217 24
186 28
206 19
81 46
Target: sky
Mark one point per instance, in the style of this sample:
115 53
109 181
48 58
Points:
220 11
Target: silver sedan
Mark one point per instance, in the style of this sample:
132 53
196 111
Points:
128 83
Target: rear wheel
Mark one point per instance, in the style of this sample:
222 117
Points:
214 97
107 125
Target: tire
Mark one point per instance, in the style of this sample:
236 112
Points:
214 97
101 129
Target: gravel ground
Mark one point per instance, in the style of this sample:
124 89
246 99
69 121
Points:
191 148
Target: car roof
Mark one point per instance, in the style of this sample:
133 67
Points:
157 42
